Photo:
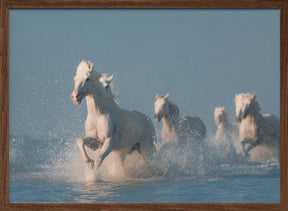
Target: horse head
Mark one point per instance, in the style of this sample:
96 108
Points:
161 107
246 104
220 115
87 80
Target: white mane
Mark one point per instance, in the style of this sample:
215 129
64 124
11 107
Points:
113 87
218 112
83 69
244 100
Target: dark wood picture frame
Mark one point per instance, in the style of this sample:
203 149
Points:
5 5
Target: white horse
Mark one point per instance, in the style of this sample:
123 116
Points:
256 129
107 125
225 130
177 129
226 133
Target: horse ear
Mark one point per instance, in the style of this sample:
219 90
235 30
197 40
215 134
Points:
110 78
103 81
166 96
254 96
90 66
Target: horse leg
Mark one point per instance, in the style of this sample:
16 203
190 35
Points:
252 145
105 150
91 143
243 142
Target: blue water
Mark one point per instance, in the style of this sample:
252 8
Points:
52 171
239 189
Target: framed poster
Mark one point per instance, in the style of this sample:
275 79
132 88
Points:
206 59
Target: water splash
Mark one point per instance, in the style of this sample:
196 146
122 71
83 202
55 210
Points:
59 159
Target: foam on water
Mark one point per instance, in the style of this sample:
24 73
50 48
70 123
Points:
59 159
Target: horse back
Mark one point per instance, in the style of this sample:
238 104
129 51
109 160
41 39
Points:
272 119
194 126
135 127
265 128
271 127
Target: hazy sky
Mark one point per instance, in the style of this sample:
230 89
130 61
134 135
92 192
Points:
201 57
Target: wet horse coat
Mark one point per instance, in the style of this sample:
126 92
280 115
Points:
107 125
226 136
176 129
256 129
225 130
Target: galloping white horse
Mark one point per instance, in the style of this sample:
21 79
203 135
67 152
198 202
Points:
175 128
255 129
107 125
226 132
